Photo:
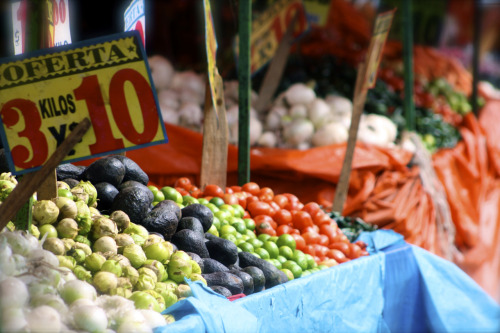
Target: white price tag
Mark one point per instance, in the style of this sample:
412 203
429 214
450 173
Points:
18 25
135 19
60 16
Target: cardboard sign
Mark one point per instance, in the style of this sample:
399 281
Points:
211 49
269 27
19 25
317 11
135 18
377 42
45 94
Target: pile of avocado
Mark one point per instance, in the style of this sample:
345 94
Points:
122 185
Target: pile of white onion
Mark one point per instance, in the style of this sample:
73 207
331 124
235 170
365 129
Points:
298 119
38 296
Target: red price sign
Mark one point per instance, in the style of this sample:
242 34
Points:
44 95
269 27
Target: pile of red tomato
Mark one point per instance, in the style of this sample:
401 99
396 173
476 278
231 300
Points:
315 233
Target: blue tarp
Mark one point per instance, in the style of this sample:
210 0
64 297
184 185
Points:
399 288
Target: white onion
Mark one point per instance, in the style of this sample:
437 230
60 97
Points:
268 139
76 289
13 319
329 134
134 321
115 307
169 98
189 96
273 118
153 318
52 300
298 111
339 104
319 113
232 115
169 115
21 266
255 130
89 318
161 71
19 242
44 319
190 114
298 131
45 256
13 292
299 93
188 80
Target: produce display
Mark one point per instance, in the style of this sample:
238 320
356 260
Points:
38 294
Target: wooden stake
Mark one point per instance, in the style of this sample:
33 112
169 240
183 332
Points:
276 68
32 181
358 105
215 139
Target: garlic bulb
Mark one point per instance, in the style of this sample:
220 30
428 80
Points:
299 93
298 131
161 71
330 134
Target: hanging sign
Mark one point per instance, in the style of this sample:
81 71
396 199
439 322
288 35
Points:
45 94
135 18
377 42
317 11
269 27
19 25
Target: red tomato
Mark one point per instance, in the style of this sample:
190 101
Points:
250 199
328 231
309 249
265 219
312 208
235 189
301 220
251 187
230 199
361 244
364 253
311 237
266 191
281 200
283 229
299 241
321 251
182 191
213 191
343 247
266 229
291 197
337 255
321 218
295 232
274 206
355 251
229 190
323 240
182 182
283 216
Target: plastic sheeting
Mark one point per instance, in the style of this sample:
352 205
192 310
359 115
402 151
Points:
399 288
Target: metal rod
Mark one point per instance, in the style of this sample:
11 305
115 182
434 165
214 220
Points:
244 30
409 107
475 55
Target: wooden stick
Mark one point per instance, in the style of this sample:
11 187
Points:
215 139
30 182
276 67
358 105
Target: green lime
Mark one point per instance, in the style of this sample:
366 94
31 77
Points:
286 252
212 207
238 235
159 196
256 243
213 230
255 254
232 220
293 267
251 234
247 247
306 273
301 261
264 237
286 240
229 237
299 254
222 214
227 229
228 208
203 201
171 193
273 239
223 222
322 267
276 263
288 273
216 223
240 227
154 203
281 259
153 188
62 192
245 237
239 241
262 253
250 223
272 249
48 229
238 210
310 262
217 201
188 200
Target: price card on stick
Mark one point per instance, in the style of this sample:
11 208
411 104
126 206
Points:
135 18
45 94
19 25
60 22
367 73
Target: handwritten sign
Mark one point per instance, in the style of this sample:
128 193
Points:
60 21
317 11
135 19
45 94
19 25
269 27
377 42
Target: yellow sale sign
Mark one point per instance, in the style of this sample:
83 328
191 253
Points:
44 95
